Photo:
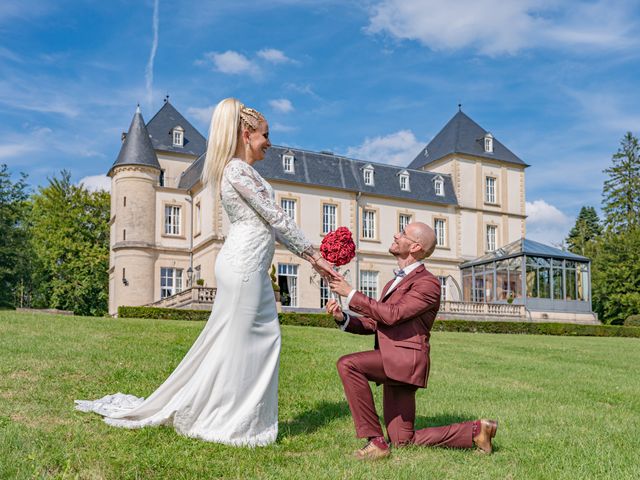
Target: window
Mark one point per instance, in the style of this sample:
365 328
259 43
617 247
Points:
490 190
369 283
443 288
289 206
440 227
161 179
171 220
329 217
491 237
287 163
288 283
124 234
438 186
324 292
368 176
170 281
404 182
197 219
369 224
488 143
178 136
403 220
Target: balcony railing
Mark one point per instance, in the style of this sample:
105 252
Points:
197 298
483 309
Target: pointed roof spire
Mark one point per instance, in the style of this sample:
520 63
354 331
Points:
137 148
462 135
161 126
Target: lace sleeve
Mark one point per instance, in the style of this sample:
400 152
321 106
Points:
243 179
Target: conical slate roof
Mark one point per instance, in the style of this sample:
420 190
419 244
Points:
462 135
161 126
136 148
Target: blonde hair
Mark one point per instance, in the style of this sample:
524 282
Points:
227 119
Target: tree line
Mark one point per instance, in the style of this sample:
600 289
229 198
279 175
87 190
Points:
613 243
54 242
54 245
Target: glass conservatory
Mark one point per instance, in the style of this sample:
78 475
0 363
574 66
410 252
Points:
529 273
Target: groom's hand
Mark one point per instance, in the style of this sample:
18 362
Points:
340 286
333 308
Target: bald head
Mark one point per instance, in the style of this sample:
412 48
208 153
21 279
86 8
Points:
424 235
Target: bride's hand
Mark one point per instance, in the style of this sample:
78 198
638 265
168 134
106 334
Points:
324 268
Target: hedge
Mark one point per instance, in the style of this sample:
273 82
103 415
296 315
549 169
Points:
162 313
326 321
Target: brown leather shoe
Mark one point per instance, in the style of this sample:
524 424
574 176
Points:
487 431
371 451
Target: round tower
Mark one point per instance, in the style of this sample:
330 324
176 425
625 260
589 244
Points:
134 176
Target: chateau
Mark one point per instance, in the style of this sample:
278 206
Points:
166 228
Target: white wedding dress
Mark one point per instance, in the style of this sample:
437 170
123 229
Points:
225 389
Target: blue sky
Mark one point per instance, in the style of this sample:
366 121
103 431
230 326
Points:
555 81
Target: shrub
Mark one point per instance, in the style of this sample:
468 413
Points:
632 321
162 313
326 321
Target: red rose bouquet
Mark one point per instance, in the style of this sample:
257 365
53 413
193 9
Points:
337 247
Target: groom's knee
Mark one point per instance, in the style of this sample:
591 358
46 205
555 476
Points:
344 364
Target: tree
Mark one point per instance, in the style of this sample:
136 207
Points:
584 232
70 240
13 209
621 192
616 275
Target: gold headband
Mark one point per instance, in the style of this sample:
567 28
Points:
249 117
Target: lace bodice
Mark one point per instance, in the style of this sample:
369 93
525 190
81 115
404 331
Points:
256 220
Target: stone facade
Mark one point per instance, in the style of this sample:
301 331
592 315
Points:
166 229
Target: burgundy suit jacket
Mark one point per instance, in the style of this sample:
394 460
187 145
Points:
402 322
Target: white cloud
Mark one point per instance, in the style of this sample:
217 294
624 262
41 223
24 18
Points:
546 223
282 105
203 114
11 150
495 27
279 127
232 63
274 56
397 148
96 182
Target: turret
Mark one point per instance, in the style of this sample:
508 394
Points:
134 176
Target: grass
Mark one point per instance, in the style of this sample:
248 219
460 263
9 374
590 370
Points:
569 407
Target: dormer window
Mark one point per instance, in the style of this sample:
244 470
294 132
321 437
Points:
288 163
367 172
178 136
488 143
404 181
438 186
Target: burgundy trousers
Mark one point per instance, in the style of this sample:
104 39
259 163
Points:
399 404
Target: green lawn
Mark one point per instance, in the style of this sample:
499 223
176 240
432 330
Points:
569 407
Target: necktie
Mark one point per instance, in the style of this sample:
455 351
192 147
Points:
399 273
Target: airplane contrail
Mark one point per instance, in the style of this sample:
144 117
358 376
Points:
154 46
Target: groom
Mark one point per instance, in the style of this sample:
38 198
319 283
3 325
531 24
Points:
401 322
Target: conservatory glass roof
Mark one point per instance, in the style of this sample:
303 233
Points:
521 247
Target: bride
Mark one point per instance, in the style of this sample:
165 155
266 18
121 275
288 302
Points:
225 389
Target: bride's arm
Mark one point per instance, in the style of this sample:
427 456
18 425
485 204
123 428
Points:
241 176
251 189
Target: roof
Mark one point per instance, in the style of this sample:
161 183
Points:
160 129
136 148
463 135
524 246
335 171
